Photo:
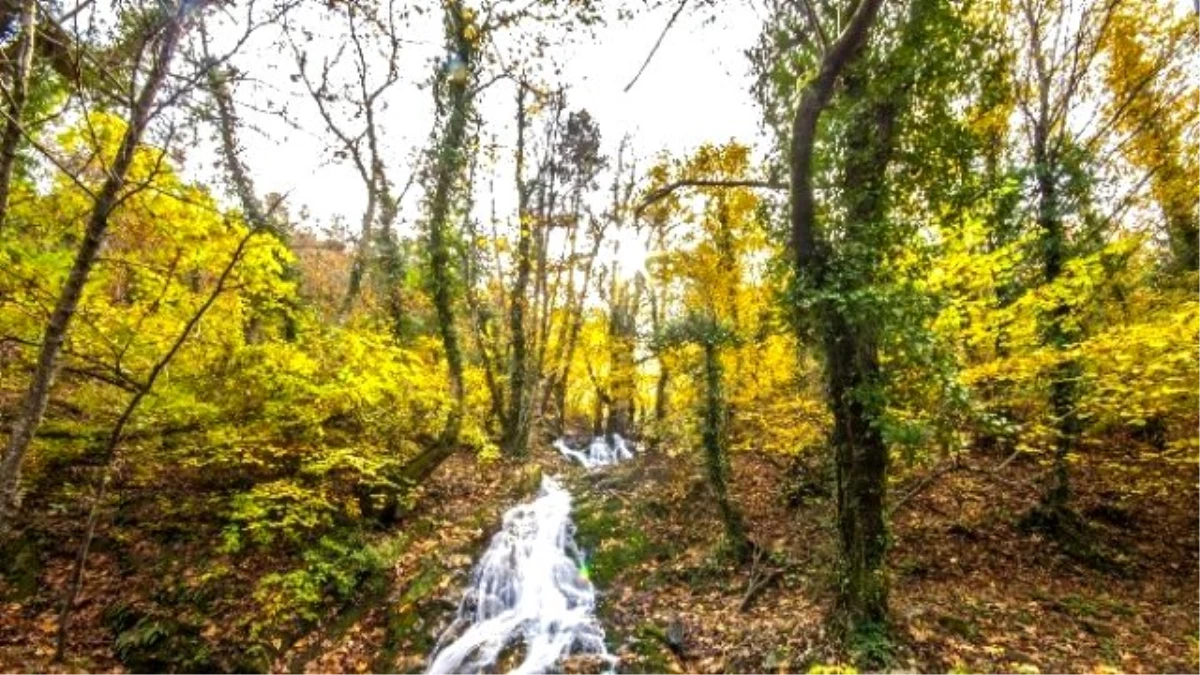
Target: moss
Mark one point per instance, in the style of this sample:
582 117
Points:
1081 607
870 642
651 654
614 543
20 566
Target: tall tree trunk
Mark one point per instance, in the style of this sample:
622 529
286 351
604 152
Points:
664 374
516 424
479 323
863 592
449 166
622 336
575 326
1063 393
16 103
852 362
33 405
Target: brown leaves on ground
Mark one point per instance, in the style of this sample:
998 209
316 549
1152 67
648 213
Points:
971 591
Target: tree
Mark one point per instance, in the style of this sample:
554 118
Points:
1058 67
455 89
166 38
712 336
517 417
362 98
1153 102
851 361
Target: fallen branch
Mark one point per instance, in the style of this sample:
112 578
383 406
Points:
760 578
991 474
756 588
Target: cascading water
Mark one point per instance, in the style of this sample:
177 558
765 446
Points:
530 589
598 453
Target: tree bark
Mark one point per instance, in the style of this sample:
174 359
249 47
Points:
16 104
33 405
852 358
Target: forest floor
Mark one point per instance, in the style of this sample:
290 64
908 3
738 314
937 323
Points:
971 590
971 587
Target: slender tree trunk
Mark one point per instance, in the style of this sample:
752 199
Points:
548 391
664 374
516 426
562 382
227 125
33 405
362 252
16 104
479 325
622 368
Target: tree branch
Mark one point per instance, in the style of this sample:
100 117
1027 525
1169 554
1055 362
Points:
666 190
657 44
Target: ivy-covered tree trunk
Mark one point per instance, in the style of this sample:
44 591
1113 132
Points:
449 167
33 405
851 361
391 258
716 458
516 420
1063 395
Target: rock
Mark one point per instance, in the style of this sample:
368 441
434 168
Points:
675 635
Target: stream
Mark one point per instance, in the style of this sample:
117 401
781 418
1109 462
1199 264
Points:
530 589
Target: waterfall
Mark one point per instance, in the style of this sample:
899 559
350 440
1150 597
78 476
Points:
531 589
598 453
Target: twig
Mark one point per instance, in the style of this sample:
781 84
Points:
657 44
759 579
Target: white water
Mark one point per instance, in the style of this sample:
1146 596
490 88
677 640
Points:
598 453
528 588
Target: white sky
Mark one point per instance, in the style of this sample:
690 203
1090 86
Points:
696 90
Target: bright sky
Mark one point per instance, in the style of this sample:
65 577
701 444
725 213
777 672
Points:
695 90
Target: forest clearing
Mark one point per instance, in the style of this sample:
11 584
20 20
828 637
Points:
639 336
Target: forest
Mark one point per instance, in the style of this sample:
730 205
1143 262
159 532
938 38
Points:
388 336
